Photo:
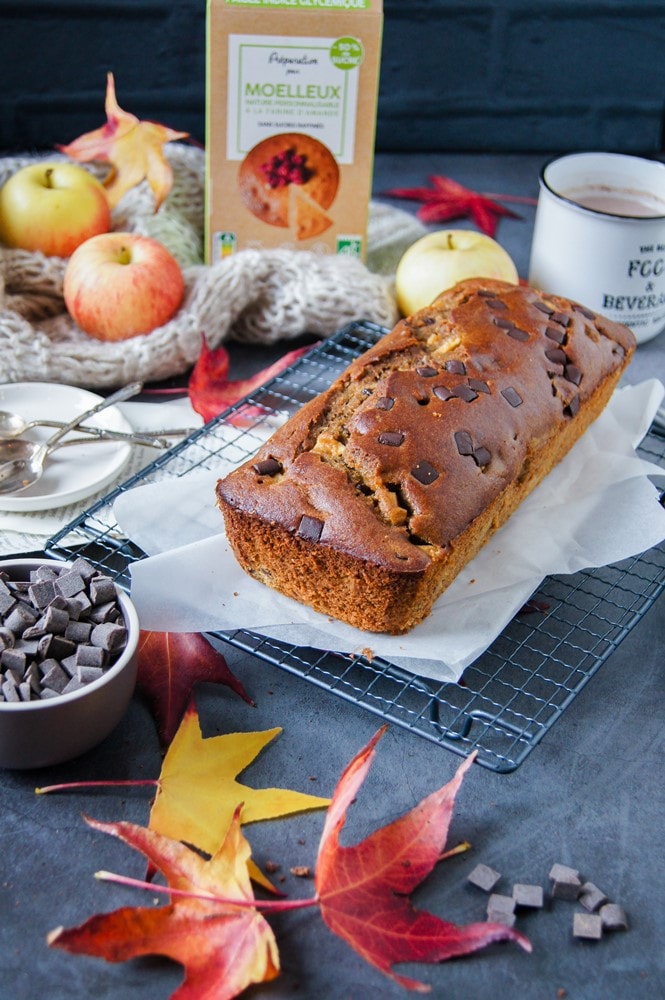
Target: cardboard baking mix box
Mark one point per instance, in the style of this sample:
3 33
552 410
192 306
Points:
291 96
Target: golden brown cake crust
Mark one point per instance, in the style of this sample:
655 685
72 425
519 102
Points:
370 500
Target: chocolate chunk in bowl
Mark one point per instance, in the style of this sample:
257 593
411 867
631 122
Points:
63 686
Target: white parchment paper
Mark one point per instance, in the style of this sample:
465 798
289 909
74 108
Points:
596 507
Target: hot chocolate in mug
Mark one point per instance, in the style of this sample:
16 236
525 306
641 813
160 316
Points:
599 237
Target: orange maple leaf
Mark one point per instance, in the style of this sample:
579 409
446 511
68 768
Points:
134 149
223 948
363 889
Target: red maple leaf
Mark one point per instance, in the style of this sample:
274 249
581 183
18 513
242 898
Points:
170 664
447 199
210 389
363 889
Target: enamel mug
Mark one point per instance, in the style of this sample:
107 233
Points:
599 237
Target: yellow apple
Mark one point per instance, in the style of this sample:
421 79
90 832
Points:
439 260
120 285
52 207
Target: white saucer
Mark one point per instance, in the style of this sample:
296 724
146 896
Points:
71 473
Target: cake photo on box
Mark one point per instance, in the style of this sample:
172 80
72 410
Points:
290 180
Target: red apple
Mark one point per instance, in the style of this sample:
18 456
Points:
119 285
52 207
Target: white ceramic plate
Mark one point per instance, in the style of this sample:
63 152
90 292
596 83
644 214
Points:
71 473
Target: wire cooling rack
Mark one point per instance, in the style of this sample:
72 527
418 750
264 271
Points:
508 698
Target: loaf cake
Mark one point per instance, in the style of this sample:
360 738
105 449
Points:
366 504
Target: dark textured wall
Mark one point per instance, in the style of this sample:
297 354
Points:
506 75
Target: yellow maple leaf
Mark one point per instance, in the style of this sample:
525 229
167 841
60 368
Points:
198 794
132 147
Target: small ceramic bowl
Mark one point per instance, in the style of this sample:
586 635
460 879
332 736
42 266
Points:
43 732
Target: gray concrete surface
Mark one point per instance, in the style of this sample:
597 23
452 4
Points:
590 795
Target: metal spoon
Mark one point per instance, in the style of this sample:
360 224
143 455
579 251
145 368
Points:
20 455
12 425
17 474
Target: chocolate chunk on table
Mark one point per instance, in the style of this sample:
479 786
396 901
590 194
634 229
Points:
501 909
566 883
587 925
484 877
498 901
613 917
531 896
591 897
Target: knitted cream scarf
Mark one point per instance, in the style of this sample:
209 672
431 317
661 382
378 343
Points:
258 296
